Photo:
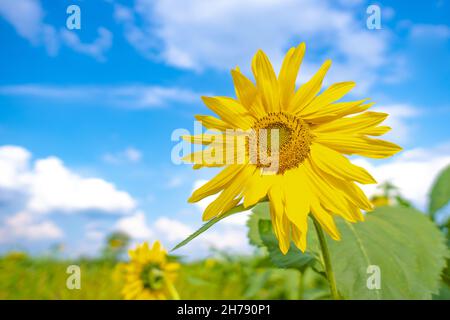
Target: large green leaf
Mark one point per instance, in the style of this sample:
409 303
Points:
440 192
402 242
209 224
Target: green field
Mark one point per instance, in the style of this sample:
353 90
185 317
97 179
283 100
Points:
225 277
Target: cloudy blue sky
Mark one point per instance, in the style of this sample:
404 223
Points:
86 116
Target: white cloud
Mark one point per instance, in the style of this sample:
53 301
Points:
27 18
172 229
174 182
138 37
413 172
135 226
234 239
93 232
24 225
427 31
53 187
126 96
220 34
229 234
14 162
95 49
130 154
45 186
400 117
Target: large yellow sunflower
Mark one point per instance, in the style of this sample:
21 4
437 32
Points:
149 275
314 131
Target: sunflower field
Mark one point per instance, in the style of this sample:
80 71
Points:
408 247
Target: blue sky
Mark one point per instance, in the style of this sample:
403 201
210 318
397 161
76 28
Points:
86 116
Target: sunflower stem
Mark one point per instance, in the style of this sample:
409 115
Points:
327 260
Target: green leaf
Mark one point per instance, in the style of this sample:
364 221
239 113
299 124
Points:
444 293
440 192
209 224
294 257
406 246
259 212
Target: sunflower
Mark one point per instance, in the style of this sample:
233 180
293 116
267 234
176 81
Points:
314 132
149 275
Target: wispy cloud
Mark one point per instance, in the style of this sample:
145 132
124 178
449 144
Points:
129 155
126 96
426 31
199 34
25 225
135 226
96 49
27 17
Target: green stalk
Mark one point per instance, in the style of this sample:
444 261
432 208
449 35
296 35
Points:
326 259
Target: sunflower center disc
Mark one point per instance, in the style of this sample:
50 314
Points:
292 146
152 277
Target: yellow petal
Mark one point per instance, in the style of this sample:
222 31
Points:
299 237
306 93
266 81
230 111
331 94
337 165
257 187
328 196
356 124
298 198
247 94
298 204
204 139
172 267
325 219
371 148
281 225
352 192
337 110
216 184
288 74
211 122
376 131
228 196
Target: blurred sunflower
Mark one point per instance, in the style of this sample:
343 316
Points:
16 256
380 201
314 133
149 275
